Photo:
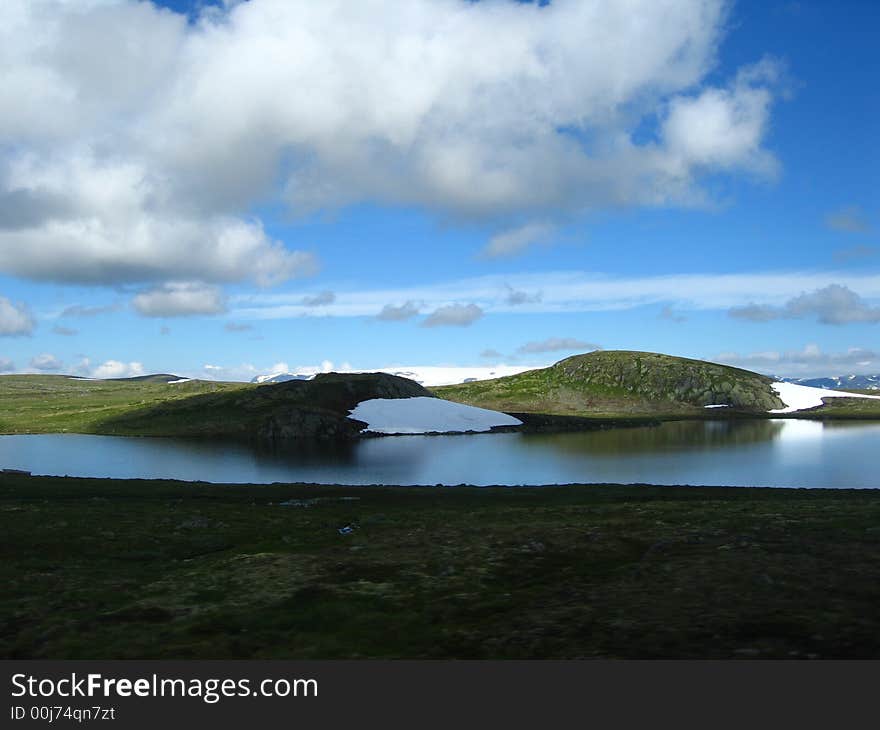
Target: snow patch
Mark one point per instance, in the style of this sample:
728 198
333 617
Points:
799 397
719 405
426 415
182 380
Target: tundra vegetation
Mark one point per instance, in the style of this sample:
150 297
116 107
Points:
158 569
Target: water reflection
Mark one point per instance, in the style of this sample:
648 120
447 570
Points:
864 426
306 453
670 437
744 453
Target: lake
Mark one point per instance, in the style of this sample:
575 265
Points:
777 453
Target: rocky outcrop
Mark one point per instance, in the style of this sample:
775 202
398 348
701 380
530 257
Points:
656 377
319 408
302 423
314 409
623 384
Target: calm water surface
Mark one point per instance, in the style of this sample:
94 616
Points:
778 453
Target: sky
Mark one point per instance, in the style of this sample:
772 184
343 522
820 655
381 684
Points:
226 189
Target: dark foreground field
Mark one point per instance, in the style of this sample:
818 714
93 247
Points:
141 569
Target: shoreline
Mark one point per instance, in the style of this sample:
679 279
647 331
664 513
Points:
6 474
532 423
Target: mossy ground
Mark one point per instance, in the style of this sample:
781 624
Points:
843 409
57 403
141 569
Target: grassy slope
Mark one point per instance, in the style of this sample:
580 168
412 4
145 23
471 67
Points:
325 400
56 403
141 407
844 408
618 383
135 569
624 384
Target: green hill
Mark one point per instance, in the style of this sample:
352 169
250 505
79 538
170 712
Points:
153 406
316 408
59 403
622 383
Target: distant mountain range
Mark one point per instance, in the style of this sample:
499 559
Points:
429 376
280 378
839 382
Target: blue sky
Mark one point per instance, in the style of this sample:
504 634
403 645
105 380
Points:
272 183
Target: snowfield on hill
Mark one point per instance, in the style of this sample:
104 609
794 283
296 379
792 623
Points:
426 415
799 397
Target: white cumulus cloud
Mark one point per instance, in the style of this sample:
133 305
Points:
134 145
118 229
722 128
517 240
556 344
833 304
180 299
15 319
320 299
454 315
46 362
117 369
811 361
395 313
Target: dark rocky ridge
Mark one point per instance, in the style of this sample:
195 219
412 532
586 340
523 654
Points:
312 409
319 407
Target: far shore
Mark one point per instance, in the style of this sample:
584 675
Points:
532 423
